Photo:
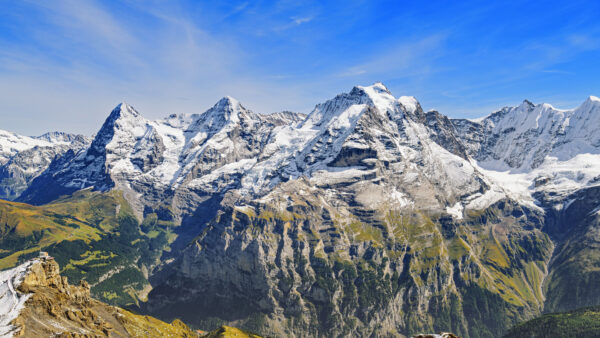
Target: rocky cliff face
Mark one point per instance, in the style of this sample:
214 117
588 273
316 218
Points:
307 267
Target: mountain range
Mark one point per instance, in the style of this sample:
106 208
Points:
368 216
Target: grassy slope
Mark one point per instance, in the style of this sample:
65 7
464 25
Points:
25 228
578 323
227 331
146 326
94 236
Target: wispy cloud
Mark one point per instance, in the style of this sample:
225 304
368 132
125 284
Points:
352 71
301 20
557 71
560 49
403 59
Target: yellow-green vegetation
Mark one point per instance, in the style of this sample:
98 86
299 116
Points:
228 331
365 232
458 248
518 281
146 326
93 235
268 215
87 257
12 259
100 209
109 295
25 229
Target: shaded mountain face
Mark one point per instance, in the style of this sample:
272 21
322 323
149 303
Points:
366 217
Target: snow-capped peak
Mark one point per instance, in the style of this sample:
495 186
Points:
589 104
229 103
376 95
123 126
123 116
123 109
380 96
526 105
227 110
380 87
57 137
384 101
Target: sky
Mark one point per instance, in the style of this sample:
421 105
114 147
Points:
64 64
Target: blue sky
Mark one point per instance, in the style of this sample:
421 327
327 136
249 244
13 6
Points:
65 64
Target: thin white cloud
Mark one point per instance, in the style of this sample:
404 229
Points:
404 58
352 71
556 71
301 20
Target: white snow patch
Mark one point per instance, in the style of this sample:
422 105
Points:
456 210
348 117
401 199
481 201
564 177
596 211
479 119
409 102
11 300
337 175
381 97
240 166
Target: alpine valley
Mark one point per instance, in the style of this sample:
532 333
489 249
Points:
366 217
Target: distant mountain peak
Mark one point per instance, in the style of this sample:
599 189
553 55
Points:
227 109
124 109
526 105
379 87
590 102
57 137
228 101
375 89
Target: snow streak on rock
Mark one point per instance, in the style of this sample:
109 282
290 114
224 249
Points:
11 301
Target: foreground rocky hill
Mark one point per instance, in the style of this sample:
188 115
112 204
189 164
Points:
36 301
369 216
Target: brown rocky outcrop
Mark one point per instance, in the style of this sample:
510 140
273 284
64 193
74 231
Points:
57 309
